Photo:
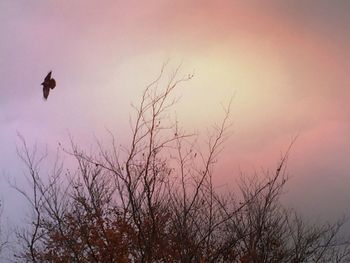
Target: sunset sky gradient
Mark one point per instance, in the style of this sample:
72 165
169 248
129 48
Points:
285 62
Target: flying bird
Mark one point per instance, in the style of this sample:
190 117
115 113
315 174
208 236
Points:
49 83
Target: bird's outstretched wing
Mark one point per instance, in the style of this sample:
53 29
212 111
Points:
48 77
46 91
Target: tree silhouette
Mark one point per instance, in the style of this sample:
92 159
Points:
154 201
3 240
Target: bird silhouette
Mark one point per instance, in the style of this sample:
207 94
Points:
49 83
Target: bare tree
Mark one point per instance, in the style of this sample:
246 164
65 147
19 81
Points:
154 201
3 239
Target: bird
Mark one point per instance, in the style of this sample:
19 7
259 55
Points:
49 83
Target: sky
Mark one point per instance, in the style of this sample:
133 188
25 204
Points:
284 62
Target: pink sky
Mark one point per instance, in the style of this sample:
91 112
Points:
285 61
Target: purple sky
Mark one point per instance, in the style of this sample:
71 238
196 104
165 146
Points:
286 61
